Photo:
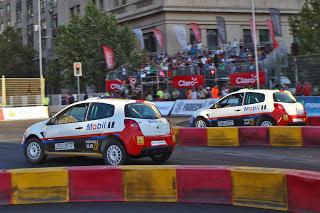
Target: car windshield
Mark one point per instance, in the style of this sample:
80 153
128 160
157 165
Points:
284 97
142 111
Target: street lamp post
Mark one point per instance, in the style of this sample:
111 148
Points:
40 40
255 42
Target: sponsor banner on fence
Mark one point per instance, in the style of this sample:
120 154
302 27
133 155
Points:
211 101
188 82
247 78
113 85
187 107
165 107
311 105
25 113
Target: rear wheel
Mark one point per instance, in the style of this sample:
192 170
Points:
161 157
114 154
265 121
201 123
34 151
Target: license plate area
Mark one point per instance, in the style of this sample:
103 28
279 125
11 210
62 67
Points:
64 146
159 143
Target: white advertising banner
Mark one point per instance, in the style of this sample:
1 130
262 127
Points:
181 34
139 35
165 107
187 107
25 113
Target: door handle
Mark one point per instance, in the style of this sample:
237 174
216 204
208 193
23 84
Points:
79 128
238 110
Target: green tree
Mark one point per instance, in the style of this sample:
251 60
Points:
16 60
306 27
81 40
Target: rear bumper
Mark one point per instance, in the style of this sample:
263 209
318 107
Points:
293 120
147 145
154 151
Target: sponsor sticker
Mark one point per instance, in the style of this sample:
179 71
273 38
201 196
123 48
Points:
140 140
92 144
158 143
226 123
64 146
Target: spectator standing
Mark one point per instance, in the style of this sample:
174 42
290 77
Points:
307 89
299 89
160 95
85 96
71 98
194 94
175 94
215 92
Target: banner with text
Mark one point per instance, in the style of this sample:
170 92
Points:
164 107
222 31
188 82
311 105
245 79
187 107
276 20
113 85
139 34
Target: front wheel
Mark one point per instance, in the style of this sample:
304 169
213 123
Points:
201 123
162 157
34 151
114 154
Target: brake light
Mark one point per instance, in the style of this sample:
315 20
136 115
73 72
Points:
131 124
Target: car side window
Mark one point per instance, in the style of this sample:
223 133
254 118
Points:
74 114
254 98
231 101
100 111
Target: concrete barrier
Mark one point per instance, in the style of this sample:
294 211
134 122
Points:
279 189
249 136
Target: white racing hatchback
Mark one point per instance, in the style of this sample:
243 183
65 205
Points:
113 129
252 108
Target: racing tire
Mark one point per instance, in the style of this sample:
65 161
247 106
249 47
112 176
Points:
162 157
114 154
34 151
265 121
200 122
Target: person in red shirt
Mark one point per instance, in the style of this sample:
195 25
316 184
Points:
299 89
307 89
215 92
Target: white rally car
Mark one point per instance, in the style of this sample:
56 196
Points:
112 129
252 108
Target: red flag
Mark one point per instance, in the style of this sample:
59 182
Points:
109 57
196 30
272 34
159 37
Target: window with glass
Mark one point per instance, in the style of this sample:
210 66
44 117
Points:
150 42
99 111
54 22
212 39
42 6
284 97
18 11
74 114
264 36
192 37
253 98
101 4
30 35
8 9
231 101
142 111
30 8
247 38
1 12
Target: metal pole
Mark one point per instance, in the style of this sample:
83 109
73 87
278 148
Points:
296 69
78 83
4 92
40 38
255 42
141 80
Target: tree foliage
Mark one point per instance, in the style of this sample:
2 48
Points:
16 60
82 39
306 27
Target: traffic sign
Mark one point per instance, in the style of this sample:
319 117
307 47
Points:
77 69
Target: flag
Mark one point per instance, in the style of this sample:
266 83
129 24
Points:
196 30
272 35
276 21
181 34
139 35
222 32
109 57
159 37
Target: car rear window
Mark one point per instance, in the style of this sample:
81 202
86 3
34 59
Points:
283 97
142 111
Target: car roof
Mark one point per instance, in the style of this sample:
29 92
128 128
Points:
113 101
257 90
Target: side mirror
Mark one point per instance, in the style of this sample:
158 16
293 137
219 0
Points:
214 106
52 121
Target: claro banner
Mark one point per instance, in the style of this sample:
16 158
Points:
188 82
113 85
247 79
